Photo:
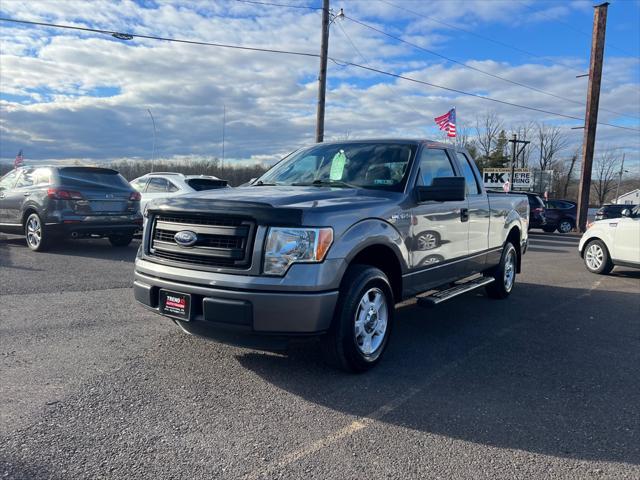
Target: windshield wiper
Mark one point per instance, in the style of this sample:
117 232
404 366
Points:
325 183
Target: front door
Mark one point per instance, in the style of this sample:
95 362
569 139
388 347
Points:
439 231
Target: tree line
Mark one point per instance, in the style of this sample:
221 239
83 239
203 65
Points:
487 139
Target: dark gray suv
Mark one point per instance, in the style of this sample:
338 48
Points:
49 202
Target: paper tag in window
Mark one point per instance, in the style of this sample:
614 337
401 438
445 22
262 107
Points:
337 165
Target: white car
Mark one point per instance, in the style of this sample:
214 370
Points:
611 242
167 184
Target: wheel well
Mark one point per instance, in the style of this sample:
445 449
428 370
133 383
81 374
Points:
26 214
591 240
385 259
514 238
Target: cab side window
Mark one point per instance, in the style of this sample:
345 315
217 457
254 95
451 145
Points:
434 162
171 187
8 181
469 176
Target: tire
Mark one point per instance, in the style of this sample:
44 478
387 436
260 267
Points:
597 258
38 238
549 229
121 240
504 274
565 225
362 322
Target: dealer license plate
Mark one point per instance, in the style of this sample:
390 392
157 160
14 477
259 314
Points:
175 304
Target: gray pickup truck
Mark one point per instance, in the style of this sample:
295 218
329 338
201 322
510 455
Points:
327 242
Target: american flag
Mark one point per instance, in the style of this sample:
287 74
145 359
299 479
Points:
19 159
447 122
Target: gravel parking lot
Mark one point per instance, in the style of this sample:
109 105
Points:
542 385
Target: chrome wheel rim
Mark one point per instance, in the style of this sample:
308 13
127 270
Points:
427 241
370 327
565 227
594 256
34 231
509 270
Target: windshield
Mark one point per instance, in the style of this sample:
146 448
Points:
362 165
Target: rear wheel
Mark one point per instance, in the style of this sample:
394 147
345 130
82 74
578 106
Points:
504 274
121 240
37 236
362 322
596 257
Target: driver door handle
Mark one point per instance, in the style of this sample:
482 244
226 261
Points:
464 214
26 194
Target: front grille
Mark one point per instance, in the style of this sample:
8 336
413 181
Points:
222 241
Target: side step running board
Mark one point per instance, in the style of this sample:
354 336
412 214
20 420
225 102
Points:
444 295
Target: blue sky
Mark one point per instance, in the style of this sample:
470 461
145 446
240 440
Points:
69 95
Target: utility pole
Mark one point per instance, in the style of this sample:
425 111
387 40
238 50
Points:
591 118
515 153
620 177
322 77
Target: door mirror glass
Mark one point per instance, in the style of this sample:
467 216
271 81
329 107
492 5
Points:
442 189
626 212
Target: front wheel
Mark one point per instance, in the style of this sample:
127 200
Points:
362 322
565 226
121 240
596 258
504 274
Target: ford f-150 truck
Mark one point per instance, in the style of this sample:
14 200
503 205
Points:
327 241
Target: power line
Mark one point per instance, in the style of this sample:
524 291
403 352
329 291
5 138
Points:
279 5
130 36
470 67
314 55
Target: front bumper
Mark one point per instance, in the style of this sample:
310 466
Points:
250 311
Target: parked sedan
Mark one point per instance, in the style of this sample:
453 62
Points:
612 242
49 202
168 184
560 215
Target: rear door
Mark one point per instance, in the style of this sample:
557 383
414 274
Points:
15 198
7 184
104 191
478 212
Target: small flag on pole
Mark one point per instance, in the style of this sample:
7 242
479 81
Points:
19 160
447 122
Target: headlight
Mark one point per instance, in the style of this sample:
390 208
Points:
286 246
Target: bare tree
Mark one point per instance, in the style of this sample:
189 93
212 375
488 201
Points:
487 130
572 164
605 171
550 140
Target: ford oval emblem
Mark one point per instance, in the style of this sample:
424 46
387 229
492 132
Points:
186 238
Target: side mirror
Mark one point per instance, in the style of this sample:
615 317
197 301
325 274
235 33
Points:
442 189
626 212
250 182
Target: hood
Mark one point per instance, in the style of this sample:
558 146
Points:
285 204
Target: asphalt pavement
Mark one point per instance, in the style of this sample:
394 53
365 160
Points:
544 384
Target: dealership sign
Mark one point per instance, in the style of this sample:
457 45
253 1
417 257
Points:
499 177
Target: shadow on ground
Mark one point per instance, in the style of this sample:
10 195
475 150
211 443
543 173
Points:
552 371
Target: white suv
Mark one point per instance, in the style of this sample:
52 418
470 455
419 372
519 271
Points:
611 242
167 184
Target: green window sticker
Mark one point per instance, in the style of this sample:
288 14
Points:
337 165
